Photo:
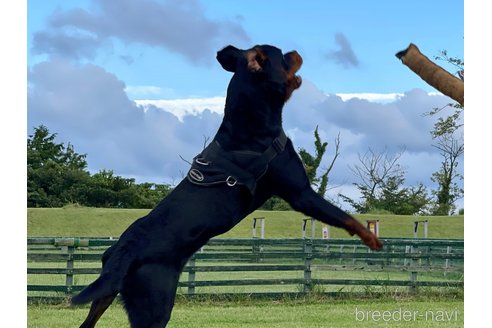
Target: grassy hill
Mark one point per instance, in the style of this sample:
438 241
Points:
102 222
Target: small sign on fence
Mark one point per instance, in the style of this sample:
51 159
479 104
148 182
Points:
326 233
373 226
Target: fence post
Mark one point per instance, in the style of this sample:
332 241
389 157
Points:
308 258
446 266
191 275
262 222
69 274
341 248
416 227
313 227
413 274
257 249
407 250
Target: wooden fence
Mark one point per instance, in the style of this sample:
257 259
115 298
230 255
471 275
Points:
59 267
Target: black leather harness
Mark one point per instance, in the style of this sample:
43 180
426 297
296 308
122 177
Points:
214 165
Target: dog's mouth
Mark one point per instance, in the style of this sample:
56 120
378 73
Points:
292 84
297 81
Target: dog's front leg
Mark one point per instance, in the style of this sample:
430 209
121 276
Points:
315 206
287 177
354 227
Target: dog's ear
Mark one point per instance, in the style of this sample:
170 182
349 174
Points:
294 62
228 58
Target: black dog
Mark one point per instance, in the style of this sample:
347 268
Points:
249 160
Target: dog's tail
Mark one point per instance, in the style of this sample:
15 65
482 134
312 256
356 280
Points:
116 262
100 288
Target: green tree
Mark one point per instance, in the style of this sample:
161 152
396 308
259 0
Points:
150 194
448 190
57 175
381 184
397 199
450 148
312 163
109 190
276 204
451 123
42 149
55 172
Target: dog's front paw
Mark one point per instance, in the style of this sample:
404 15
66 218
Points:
371 240
354 227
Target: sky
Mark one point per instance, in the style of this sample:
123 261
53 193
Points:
134 84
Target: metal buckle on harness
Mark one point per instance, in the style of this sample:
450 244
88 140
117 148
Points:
201 161
196 175
231 182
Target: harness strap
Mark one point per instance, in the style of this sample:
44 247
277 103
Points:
260 165
215 165
277 146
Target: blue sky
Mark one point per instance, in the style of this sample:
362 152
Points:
375 30
134 84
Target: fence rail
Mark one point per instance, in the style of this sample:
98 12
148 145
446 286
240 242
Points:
58 267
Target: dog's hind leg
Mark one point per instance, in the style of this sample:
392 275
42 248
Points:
148 294
97 309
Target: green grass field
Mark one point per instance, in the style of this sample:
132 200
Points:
94 222
428 309
427 313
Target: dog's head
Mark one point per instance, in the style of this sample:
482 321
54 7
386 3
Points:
263 69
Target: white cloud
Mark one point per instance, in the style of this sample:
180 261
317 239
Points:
177 26
195 106
183 107
143 90
372 97
88 107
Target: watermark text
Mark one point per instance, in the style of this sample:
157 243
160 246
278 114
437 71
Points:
405 315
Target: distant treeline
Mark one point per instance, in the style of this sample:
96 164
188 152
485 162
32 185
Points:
57 176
